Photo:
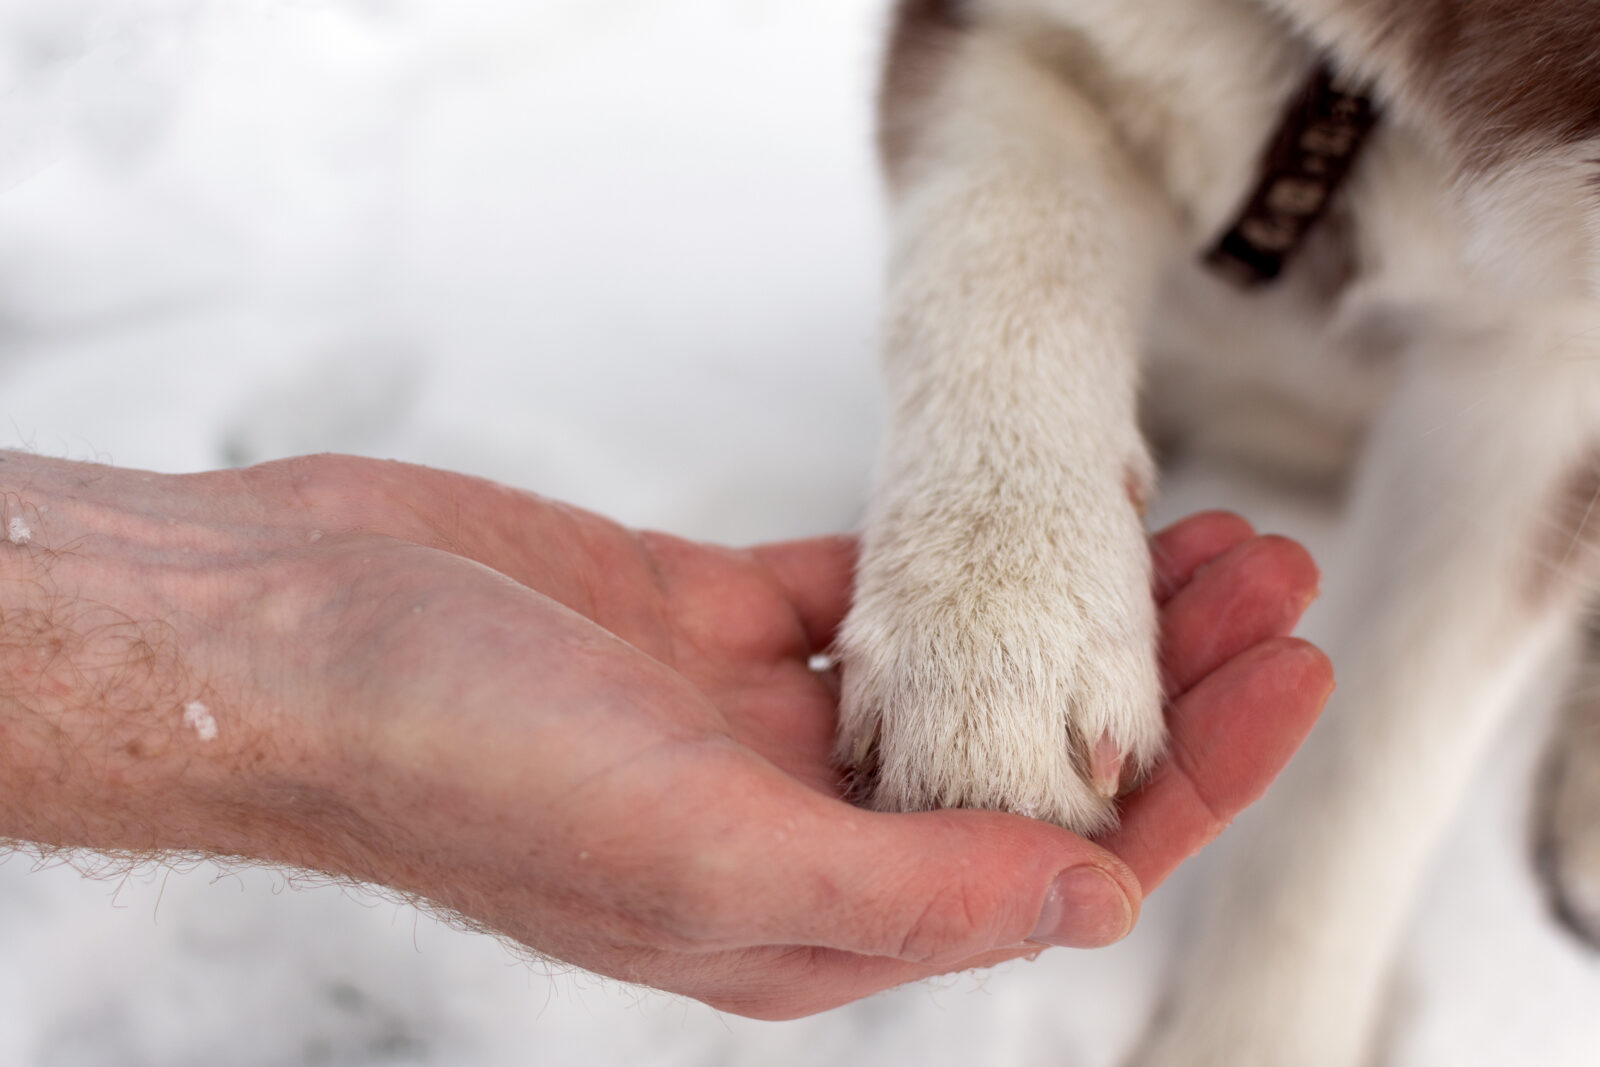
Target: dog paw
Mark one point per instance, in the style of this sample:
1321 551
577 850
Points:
1005 662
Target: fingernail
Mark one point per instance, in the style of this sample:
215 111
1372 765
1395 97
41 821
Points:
1085 908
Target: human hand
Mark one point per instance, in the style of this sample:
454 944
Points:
609 746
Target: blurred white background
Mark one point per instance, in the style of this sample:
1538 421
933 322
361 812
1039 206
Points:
624 252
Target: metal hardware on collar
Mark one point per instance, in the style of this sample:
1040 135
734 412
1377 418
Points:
1311 155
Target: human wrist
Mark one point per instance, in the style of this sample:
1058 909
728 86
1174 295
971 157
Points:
124 726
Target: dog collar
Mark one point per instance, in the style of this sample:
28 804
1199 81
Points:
1309 158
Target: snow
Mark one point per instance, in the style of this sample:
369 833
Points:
198 718
623 252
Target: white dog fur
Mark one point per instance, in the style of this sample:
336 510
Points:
1060 168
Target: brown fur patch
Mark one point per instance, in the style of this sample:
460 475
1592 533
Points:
924 36
1507 75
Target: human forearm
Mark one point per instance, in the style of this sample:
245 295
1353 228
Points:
235 663
130 720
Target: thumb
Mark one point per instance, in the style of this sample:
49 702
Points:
936 887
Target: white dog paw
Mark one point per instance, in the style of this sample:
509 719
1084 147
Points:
1006 664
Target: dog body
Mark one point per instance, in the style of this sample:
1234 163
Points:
1060 168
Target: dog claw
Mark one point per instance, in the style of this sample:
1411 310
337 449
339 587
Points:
1105 767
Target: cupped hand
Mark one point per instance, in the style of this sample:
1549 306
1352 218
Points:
609 746
612 746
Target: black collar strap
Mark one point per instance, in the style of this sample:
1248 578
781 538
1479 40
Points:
1310 157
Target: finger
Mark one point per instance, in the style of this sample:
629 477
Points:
932 888
1231 736
1257 590
1181 550
818 577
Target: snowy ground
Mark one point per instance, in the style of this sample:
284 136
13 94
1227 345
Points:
620 251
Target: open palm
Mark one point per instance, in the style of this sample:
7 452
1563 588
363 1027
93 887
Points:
613 748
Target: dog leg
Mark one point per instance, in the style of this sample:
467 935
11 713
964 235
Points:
1001 651
1468 564
1568 821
